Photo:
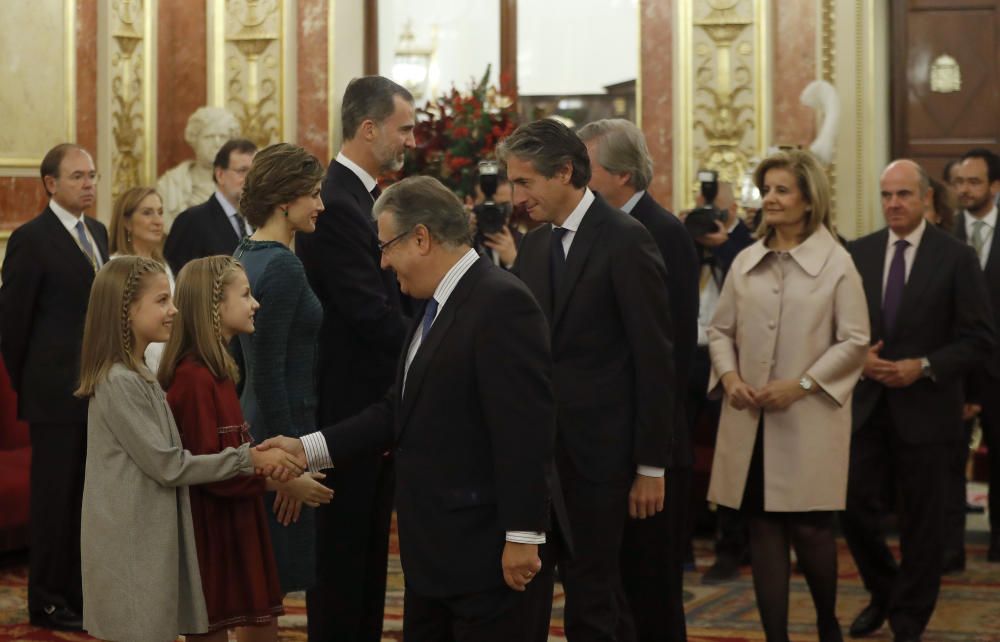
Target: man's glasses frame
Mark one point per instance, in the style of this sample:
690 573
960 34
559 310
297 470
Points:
382 247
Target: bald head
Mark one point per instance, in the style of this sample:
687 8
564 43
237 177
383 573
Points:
906 194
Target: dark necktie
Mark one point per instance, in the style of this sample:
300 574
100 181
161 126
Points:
241 225
85 245
429 313
557 257
376 192
894 286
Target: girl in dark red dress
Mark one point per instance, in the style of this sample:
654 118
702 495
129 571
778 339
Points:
238 571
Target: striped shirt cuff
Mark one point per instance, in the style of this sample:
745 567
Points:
525 537
317 453
651 471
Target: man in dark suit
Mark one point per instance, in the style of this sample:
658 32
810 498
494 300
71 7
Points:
47 273
471 424
363 330
931 323
599 276
977 183
216 226
653 550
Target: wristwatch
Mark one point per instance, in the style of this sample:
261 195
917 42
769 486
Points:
806 384
925 368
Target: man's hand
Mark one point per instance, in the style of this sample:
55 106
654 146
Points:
520 564
779 394
276 463
741 395
971 411
876 367
276 448
716 238
646 497
903 373
502 243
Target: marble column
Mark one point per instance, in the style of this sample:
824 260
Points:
656 75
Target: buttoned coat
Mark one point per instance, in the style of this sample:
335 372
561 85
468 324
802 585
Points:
782 316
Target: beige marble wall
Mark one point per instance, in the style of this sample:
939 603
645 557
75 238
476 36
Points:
656 74
794 47
181 76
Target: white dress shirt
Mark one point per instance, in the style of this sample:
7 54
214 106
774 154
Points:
991 223
571 225
911 251
69 221
317 453
233 214
630 203
366 178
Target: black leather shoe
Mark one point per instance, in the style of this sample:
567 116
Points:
725 569
868 621
59 618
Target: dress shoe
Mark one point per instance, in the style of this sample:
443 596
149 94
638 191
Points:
725 569
829 632
868 621
59 618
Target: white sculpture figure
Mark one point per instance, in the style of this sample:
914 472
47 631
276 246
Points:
821 96
190 182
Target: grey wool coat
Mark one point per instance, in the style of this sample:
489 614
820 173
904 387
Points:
140 568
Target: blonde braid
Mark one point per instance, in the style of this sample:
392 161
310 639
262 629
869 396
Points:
221 268
127 296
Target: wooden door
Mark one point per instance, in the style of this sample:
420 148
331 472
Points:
945 75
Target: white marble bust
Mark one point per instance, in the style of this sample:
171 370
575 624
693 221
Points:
190 182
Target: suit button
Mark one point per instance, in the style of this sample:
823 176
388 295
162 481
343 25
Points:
772 325
776 290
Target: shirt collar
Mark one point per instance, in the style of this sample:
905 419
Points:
572 222
630 203
453 276
990 219
227 207
365 177
811 254
65 217
913 237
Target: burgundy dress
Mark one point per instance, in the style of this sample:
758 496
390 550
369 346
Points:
238 572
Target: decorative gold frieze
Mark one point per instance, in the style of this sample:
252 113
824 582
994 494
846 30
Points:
126 96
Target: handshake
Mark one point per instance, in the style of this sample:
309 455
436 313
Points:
283 461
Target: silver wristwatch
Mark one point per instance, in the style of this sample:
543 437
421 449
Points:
925 368
806 384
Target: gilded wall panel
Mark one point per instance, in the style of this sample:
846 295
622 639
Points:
36 115
723 90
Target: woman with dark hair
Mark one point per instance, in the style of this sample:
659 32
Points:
281 198
942 209
787 343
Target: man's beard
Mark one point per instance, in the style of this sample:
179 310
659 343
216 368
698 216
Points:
981 204
388 160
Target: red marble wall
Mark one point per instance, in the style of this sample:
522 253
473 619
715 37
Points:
794 48
21 198
657 75
181 85
311 103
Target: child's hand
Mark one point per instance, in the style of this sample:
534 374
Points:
307 490
286 509
276 464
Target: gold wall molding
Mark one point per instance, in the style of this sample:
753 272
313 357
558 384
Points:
24 160
723 90
126 103
251 65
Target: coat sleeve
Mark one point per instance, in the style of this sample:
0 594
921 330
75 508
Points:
722 337
837 370
367 433
279 291
973 335
22 278
640 283
513 364
195 411
129 413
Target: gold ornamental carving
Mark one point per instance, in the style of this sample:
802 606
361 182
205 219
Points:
946 76
127 80
253 67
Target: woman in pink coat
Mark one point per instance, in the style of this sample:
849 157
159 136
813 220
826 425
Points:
788 342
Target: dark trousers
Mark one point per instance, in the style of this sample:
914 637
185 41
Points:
954 522
498 615
352 549
596 606
652 563
883 465
58 458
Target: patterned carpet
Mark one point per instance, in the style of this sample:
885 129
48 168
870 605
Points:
969 608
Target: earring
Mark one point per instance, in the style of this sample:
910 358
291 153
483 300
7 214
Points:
285 211
128 237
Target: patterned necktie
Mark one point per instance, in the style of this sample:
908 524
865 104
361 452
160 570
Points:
978 237
429 313
85 245
241 224
894 286
557 257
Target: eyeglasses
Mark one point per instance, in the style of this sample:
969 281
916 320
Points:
382 247
79 177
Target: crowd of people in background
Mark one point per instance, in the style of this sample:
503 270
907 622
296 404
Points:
231 409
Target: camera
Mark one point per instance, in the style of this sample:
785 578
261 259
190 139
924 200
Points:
701 220
491 217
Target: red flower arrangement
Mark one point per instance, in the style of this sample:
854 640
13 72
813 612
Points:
456 131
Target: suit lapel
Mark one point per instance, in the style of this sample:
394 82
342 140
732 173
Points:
67 246
579 251
425 353
100 237
220 220
874 265
994 257
923 268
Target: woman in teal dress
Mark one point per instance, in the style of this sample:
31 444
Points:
280 198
